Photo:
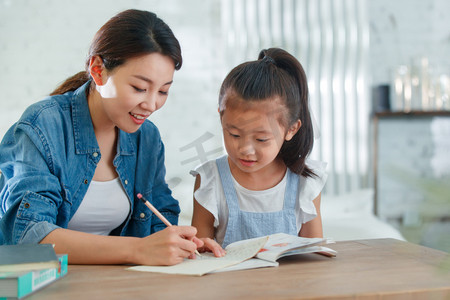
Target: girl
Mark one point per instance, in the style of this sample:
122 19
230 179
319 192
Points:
74 162
264 185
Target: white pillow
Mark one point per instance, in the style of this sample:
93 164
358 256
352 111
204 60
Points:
360 201
350 217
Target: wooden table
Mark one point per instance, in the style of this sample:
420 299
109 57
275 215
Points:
363 269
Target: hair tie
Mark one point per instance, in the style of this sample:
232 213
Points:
268 59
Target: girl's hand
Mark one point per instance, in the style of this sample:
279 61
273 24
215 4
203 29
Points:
212 246
167 247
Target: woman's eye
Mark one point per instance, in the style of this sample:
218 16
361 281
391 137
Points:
234 135
164 93
262 140
139 90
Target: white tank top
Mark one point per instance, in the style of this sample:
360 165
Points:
104 207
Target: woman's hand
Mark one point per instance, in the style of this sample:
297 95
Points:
167 247
212 246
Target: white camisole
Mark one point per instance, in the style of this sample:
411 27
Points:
104 207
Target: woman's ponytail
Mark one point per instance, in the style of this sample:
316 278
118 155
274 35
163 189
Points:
72 83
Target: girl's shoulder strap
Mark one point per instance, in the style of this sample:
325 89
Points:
291 192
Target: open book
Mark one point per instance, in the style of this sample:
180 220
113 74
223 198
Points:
246 254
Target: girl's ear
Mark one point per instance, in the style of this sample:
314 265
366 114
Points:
96 69
293 130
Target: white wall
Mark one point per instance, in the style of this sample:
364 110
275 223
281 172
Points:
403 30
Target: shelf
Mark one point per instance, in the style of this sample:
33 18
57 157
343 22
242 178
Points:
417 113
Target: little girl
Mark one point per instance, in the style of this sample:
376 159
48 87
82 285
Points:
264 184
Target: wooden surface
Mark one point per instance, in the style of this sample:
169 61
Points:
365 269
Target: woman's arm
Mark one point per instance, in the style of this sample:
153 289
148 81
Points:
31 193
203 220
313 228
167 247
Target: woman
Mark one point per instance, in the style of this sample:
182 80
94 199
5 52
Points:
74 163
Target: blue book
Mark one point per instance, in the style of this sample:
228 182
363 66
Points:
27 257
16 285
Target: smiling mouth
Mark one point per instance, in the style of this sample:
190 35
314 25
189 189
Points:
139 117
247 162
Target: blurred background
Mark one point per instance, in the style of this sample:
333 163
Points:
378 74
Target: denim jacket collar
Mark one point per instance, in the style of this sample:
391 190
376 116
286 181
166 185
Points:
86 142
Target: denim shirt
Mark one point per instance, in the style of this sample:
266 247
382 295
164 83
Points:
48 159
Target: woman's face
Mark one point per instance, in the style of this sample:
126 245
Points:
134 90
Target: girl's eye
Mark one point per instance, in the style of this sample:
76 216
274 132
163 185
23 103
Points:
164 93
139 90
233 135
262 140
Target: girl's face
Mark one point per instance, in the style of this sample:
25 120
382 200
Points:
253 135
134 90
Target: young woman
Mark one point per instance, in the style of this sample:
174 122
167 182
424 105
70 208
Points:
73 164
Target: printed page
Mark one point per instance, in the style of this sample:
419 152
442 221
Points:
280 243
254 263
312 249
236 253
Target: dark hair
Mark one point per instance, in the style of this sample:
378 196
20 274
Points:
277 74
129 34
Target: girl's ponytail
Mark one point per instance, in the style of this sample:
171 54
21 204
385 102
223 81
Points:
294 151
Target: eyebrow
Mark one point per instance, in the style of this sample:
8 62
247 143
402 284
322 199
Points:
149 80
229 126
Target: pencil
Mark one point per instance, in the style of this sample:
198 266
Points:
158 214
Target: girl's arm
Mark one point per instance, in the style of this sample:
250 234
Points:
203 220
313 228
167 247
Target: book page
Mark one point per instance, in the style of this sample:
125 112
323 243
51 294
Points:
280 243
252 263
312 249
207 263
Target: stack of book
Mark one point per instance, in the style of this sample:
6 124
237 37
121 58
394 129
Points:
27 268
